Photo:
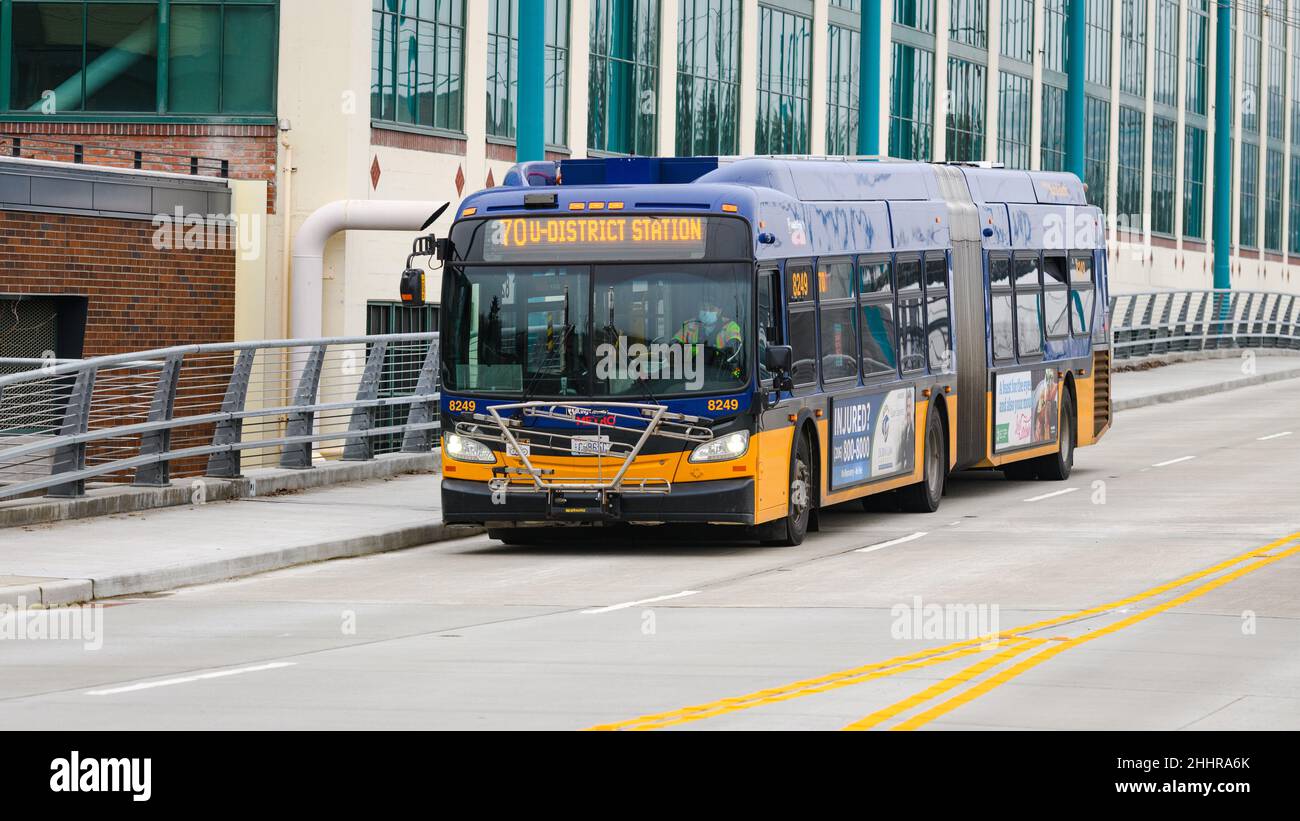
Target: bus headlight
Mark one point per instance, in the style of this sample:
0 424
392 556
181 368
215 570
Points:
731 446
463 449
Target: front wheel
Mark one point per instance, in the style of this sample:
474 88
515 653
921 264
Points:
925 496
790 531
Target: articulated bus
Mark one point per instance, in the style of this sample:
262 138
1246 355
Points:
642 341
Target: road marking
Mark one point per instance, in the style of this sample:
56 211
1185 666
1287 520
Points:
900 664
1057 648
167 682
596 610
1274 436
1052 495
1173 462
1015 647
894 543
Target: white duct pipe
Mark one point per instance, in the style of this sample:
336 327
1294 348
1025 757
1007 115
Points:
309 250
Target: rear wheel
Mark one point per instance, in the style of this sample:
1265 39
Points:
790 531
926 495
1057 467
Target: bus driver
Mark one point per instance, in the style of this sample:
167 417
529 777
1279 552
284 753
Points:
716 331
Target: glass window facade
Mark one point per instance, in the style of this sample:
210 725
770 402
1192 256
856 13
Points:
1194 182
1096 151
1015 102
1166 63
1249 199
1132 171
418 64
916 14
1054 35
968 22
1293 239
1097 42
911 103
1018 30
1198 44
966 96
89 58
1274 185
1053 128
784 82
1277 32
708 77
1133 47
1251 42
623 84
1163 157
842 91
503 68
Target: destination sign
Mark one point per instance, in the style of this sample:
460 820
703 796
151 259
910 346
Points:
595 238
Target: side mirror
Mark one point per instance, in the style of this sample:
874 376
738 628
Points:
413 287
778 358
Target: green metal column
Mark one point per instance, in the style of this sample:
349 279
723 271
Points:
530 99
1076 43
869 80
1223 146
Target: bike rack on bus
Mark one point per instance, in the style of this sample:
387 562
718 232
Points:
647 421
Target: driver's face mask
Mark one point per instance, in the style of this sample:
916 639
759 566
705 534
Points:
708 317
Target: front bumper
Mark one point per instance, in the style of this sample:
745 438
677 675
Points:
725 501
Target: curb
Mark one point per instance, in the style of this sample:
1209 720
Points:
1205 390
74 591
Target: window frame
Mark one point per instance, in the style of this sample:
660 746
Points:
1007 290
866 300
560 124
1075 288
1037 257
917 296
162 40
1054 287
810 307
420 128
838 304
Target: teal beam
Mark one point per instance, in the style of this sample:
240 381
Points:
164 55
1076 43
530 98
869 80
1223 147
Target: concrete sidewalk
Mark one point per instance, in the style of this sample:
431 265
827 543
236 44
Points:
175 547
156 550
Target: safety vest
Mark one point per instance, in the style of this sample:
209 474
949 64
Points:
693 329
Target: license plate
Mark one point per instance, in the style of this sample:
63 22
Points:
590 445
524 449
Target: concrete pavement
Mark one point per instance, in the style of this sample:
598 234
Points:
471 634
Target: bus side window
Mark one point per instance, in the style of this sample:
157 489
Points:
936 311
911 315
879 334
769 324
1002 312
802 318
1029 304
1056 297
1082 296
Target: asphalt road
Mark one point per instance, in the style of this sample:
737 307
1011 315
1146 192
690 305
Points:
1157 591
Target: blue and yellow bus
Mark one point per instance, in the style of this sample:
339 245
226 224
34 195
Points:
747 341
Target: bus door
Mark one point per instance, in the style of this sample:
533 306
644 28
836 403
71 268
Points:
774 428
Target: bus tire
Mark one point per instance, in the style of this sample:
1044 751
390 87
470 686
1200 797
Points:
925 496
1057 467
790 531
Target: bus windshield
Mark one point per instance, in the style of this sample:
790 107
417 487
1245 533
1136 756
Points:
631 331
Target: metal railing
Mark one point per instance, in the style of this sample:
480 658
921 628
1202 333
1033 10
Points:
1175 322
34 147
214 410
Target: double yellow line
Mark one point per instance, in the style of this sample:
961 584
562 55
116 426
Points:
1010 644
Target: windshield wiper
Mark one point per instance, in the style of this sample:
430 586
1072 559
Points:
541 368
